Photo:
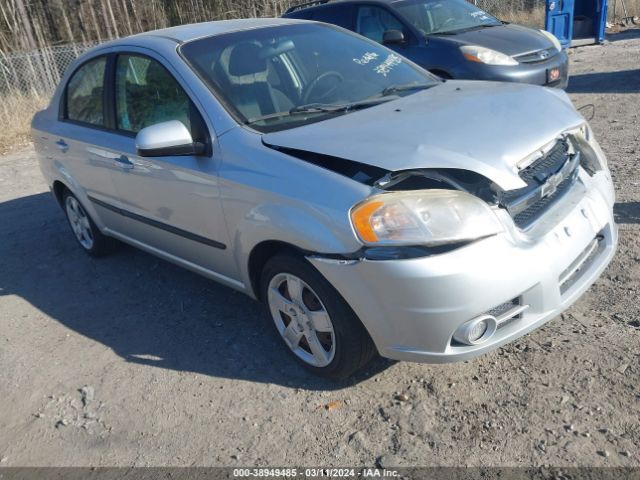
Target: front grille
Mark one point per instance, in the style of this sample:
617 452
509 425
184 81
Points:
538 56
548 178
504 308
531 214
552 161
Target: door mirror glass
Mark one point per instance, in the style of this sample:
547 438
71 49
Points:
166 139
393 37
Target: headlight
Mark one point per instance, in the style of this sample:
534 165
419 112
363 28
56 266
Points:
553 39
426 217
593 158
487 56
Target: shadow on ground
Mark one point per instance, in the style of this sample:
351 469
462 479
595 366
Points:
146 310
627 213
626 81
628 34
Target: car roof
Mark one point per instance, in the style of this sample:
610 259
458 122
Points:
320 3
186 33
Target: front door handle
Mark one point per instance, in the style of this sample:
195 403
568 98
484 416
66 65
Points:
62 145
124 163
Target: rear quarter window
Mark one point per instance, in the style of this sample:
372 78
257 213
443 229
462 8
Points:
85 93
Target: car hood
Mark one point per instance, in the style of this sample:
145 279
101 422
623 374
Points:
509 39
484 127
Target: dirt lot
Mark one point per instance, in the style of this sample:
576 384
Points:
180 371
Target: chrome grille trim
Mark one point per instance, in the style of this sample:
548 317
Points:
537 56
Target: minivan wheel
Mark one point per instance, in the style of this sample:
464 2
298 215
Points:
314 321
85 230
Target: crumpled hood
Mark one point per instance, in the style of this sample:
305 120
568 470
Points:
509 39
485 127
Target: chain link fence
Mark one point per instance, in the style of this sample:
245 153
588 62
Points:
524 12
532 12
37 72
27 81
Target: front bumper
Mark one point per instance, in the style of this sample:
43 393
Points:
412 308
532 73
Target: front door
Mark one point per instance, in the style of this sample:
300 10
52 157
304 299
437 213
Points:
559 20
372 21
171 204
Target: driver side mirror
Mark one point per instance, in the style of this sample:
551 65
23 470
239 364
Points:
167 139
393 37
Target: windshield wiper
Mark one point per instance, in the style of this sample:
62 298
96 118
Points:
273 116
392 90
466 29
319 108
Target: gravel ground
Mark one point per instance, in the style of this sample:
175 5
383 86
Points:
129 360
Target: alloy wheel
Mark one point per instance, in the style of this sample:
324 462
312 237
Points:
301 319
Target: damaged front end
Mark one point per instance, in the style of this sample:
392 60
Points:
428 211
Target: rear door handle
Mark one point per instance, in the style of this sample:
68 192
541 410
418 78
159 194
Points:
124 163
62 145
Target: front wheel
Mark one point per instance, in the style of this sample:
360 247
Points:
314 321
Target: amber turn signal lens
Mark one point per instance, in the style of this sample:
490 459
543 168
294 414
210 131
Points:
361 216
471 58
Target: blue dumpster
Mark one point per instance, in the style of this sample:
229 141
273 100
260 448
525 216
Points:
577 22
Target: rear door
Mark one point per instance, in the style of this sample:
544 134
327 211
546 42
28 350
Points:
559 20
76 140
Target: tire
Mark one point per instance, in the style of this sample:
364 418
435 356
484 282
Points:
85 231
303 304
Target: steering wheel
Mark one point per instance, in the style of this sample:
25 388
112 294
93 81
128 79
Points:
314 86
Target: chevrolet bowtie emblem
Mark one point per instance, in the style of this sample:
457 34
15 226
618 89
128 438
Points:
551 185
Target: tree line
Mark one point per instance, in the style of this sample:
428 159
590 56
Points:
31 24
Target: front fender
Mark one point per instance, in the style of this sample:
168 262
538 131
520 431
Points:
301 227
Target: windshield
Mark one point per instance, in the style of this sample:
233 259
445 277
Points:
444 16
280 77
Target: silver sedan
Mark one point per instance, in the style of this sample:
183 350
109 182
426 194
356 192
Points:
371 206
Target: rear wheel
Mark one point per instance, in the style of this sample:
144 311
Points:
85 230
314 321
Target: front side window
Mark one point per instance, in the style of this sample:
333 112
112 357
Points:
442 16
85 93
147 94
372 22
280 77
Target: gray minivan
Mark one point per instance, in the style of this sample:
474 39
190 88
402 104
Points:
451 38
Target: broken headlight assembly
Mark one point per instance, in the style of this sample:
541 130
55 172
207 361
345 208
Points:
593 158
426 217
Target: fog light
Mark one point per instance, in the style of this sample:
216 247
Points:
476 331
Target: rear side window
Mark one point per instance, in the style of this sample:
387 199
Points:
85 93
341 16
147 94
